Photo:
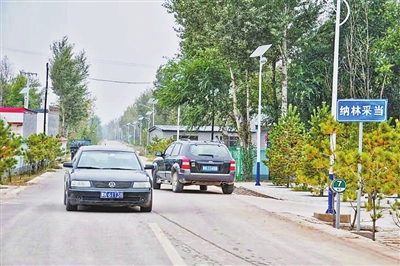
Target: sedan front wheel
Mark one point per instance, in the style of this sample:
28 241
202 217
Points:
68 206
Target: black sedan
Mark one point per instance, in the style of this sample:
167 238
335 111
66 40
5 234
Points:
108 176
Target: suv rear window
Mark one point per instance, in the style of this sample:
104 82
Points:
209 150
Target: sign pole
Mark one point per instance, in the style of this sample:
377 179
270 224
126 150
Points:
337 210
339 186
360 136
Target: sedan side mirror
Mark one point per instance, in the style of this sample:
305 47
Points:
67 164
149 166
159 154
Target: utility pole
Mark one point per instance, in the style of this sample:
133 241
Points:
28 76
45 98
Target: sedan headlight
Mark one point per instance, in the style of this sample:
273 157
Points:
79 183
145 184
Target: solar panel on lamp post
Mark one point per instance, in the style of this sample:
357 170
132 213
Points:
140 118
153 101
148 114
259 53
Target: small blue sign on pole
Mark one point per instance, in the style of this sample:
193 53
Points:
361 110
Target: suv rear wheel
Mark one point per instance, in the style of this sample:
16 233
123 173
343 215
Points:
155 184
228 189
176 185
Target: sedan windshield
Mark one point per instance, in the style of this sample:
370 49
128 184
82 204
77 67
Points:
117 160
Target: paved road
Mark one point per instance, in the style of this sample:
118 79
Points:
193 228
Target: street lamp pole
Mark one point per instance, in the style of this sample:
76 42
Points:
134 132
45 99
153 101
129 133
148 114
141 117
140 134
259 53
334 99
148 131
179 117
28 87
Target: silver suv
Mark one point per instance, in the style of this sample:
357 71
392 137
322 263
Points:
202 163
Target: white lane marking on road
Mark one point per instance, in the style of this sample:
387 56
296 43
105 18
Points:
173 255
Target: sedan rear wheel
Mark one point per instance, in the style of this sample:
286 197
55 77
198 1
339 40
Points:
176 185
228 189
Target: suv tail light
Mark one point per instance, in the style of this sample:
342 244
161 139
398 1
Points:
232 167
185 163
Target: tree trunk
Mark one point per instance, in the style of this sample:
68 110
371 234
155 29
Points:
284 69
275 96
235 109
63 119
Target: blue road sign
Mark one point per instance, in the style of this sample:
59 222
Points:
361 110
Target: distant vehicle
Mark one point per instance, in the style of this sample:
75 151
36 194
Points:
202 163
109 176
75 144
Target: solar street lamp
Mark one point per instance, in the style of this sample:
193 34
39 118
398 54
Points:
259 53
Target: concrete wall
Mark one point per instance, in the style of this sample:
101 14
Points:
29 124
52 121
53 124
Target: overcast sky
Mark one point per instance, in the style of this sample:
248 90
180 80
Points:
123 41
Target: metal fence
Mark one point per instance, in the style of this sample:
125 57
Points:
237 154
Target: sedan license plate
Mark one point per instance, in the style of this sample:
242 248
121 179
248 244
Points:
112 195
210 168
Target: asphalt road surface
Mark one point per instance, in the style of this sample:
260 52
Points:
190 228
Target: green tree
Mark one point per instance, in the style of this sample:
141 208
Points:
285 154
310 71
53 148
197 82
317 152
159 144
6 69
69 73
42 151
386 53
395 211
380 162
16 99
36 152
10 147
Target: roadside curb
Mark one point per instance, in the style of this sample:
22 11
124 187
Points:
388 238
10 191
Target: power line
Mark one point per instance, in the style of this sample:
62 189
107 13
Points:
111 62
22 51
122 82
98 60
